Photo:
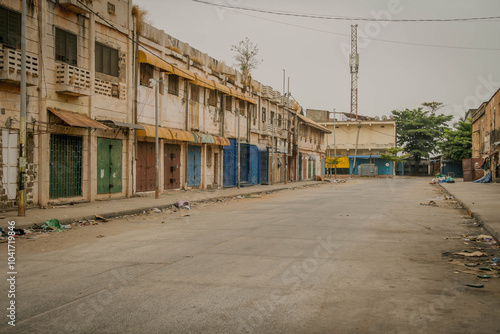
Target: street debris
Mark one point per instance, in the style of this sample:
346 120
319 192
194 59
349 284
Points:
473 254
442 179
484 276
182 205
475 285
480 238
185 215
100 236
101 218
51 224
155 210
430 203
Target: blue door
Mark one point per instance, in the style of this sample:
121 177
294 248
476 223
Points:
244 162
194 166
230 164
254 164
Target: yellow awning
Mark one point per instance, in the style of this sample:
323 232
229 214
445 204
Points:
148 58
203 82
149 131
182 72
182 135
222 141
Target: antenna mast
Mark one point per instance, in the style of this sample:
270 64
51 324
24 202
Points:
354 64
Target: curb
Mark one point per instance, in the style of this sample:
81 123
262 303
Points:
476 216
110 215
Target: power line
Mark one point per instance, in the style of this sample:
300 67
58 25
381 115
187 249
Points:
368 38
344 18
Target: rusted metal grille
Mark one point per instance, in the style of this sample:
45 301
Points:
65 166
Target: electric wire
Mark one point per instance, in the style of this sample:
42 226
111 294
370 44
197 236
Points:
344 18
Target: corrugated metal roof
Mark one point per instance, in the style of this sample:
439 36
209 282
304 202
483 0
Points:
203 138
313 123
123 125
149 131
77 119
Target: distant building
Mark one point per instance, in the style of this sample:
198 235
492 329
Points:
375 135
486 134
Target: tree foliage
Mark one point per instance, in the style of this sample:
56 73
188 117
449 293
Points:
419 131
246 56
393 154
433 106
457 142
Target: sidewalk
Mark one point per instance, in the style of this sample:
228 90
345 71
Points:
67 214
482 199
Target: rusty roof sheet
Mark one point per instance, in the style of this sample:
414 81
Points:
313 123
77 119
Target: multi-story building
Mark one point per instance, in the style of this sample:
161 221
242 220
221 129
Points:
370 135
486 134
92 76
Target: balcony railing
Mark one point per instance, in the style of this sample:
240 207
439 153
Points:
10 67
72 80
75 6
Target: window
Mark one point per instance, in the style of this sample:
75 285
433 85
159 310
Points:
66 47
111 9
264 115
146 73
253 111
242 107
173 84
229 103
279 120
106 60
212 98
195 93
10 28
272 118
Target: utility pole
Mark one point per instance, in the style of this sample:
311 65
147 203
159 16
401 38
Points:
334 143
157 160
238 151
356 150
354 65
21 209
272 148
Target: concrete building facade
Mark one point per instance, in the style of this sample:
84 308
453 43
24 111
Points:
486 134
92 73
373 135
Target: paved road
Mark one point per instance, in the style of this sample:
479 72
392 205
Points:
363 257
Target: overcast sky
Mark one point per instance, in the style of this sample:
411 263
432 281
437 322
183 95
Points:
313 51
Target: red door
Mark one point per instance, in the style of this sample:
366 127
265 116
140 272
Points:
146 178
172 163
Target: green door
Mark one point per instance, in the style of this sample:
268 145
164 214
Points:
109 166
65 166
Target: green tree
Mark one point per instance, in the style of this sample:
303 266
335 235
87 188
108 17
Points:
393 154
433 106
457 142
419 131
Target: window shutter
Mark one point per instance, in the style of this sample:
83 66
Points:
3 25
60 45
106 57
113 62
14 29
98 58
71 49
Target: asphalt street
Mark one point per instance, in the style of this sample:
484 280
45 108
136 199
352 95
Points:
360 257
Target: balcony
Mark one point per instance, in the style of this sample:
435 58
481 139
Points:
10 67
71 80
75 6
